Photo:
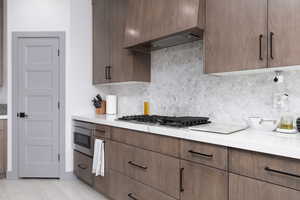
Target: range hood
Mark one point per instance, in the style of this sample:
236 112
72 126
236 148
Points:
157 24
169 41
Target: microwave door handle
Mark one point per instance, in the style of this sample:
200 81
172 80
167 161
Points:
82 133
92 138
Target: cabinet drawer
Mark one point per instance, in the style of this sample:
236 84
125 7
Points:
274 169
102 131
211 155
125 188
161 144
83 167
243 188
154 169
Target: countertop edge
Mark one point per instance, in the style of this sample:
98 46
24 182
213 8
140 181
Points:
3 117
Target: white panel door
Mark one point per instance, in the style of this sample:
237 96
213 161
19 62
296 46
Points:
38 97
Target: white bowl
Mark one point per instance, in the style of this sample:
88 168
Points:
262 124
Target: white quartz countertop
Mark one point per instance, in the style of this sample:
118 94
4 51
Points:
253 140
3 117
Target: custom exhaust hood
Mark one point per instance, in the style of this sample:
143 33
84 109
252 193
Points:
156 24
168 41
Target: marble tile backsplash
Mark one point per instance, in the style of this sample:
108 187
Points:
179 87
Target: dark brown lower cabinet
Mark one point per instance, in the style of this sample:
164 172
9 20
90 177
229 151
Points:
274 169
3 148
134 173
243 188
199 182
159 171
83 167
101 183
125 188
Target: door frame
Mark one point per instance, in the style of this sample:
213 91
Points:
14 174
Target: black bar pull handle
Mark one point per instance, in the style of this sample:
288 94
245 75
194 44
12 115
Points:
201 154
181 180
81 166
110 68
109 72
281 172
106 70
130 195
261 36
136 165
271 45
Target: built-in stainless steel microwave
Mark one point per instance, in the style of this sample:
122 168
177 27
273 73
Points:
84 137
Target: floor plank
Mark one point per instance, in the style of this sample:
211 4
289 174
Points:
47 190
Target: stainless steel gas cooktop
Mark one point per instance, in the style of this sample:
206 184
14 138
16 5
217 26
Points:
167 120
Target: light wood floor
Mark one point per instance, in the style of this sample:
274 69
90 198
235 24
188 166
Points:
47 190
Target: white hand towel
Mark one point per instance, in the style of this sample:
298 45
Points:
98 161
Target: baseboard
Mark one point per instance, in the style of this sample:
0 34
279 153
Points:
11 175
67 176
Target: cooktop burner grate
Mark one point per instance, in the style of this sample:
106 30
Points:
167 120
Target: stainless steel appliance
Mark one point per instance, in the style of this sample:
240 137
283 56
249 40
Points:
84 137
167 120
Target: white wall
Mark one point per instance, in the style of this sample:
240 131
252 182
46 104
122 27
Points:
73 17
79 74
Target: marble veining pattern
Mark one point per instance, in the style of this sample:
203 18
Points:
179 87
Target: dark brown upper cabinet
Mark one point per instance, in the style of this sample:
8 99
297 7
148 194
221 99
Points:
243 35
284 32
101 41
235 35
111 62
155 24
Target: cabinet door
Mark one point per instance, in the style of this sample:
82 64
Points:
235 35
190 14
165 15
134 21
125 64
139 22
284 19
199 182
120 70
101 40
242 188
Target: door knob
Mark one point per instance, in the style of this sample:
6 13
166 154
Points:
22 115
